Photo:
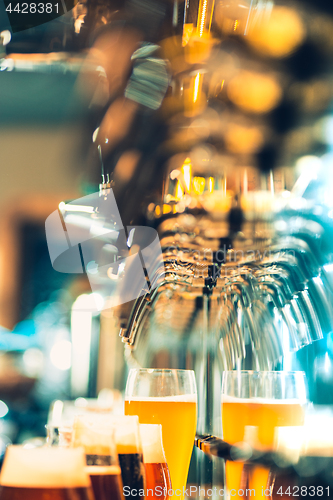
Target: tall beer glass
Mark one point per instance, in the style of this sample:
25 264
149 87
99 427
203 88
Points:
158 481
102 464
47 472
254 406
167 397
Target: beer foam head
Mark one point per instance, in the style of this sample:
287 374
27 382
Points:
103 470
181 398
96 433
127 435
95 436
94 420
152 445
263 401
46 467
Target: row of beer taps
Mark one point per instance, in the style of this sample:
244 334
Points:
278 300
245 249
225 104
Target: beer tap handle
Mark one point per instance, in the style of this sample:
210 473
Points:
302 470
215 446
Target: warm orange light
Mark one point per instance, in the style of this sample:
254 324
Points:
179 191
166 209
198 48
184 183
241 139
197 81
245 182
187 32
218 201
205 14
202 16
198 185
187 173
255 92
280 34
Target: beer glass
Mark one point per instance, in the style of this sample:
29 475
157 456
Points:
102 464
46 472
128 446
254 405
167 397
158 481
130 455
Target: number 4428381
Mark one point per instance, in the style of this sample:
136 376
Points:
33 8
303 491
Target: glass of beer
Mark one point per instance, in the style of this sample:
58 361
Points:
169 398
130 455
102 465
158 481
46 472
254 406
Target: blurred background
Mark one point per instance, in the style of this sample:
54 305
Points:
46 123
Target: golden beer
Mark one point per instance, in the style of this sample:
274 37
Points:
255 420
178 417
44 473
